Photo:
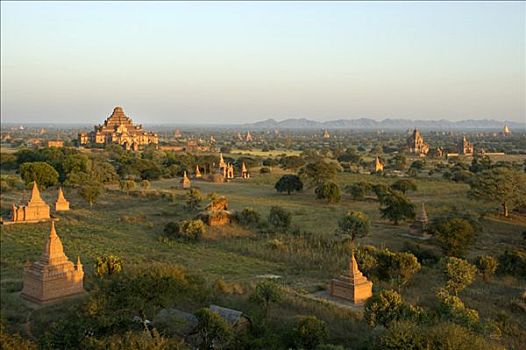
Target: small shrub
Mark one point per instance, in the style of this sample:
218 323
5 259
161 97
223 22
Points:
248 217
277 244
513 263
279 219
309 332
189 230
192 230
487 265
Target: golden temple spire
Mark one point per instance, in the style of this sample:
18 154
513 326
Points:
35 194
53 250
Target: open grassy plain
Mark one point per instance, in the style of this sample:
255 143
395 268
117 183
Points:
131 226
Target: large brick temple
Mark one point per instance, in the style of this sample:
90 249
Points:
118 128
416 144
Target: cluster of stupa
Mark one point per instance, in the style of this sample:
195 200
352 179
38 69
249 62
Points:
416 145
224 168
53 276
36 209
248 137
227 170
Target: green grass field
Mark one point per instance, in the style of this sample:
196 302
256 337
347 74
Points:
130 227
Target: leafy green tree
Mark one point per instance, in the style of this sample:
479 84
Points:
354 224
309 333
402 335
383 308
8 161
193 199
513 263
212 330
398 268
266 293
449 336
90 192
479 164
503 185
41 172
460 274
358 190
396 207
108 265
454 235
417 164
328 191
289 183
487 265
279 219
351 156
452 307
14 341
404 185
102 171
381 191
318 172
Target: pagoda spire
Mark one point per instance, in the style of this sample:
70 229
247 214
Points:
35 193
423 215
53 250
79 264
60 195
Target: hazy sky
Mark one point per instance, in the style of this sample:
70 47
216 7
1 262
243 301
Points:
240 61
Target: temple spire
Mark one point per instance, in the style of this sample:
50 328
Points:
53 250
79 264
35 193
423 215
60 195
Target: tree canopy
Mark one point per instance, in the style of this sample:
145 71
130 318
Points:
289 183
501 184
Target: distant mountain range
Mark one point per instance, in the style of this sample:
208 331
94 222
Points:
386 124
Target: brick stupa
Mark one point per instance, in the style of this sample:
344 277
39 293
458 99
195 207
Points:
185 181
354 286
61 204
378 165
198 172
244 172
419 227
36 209
53 276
